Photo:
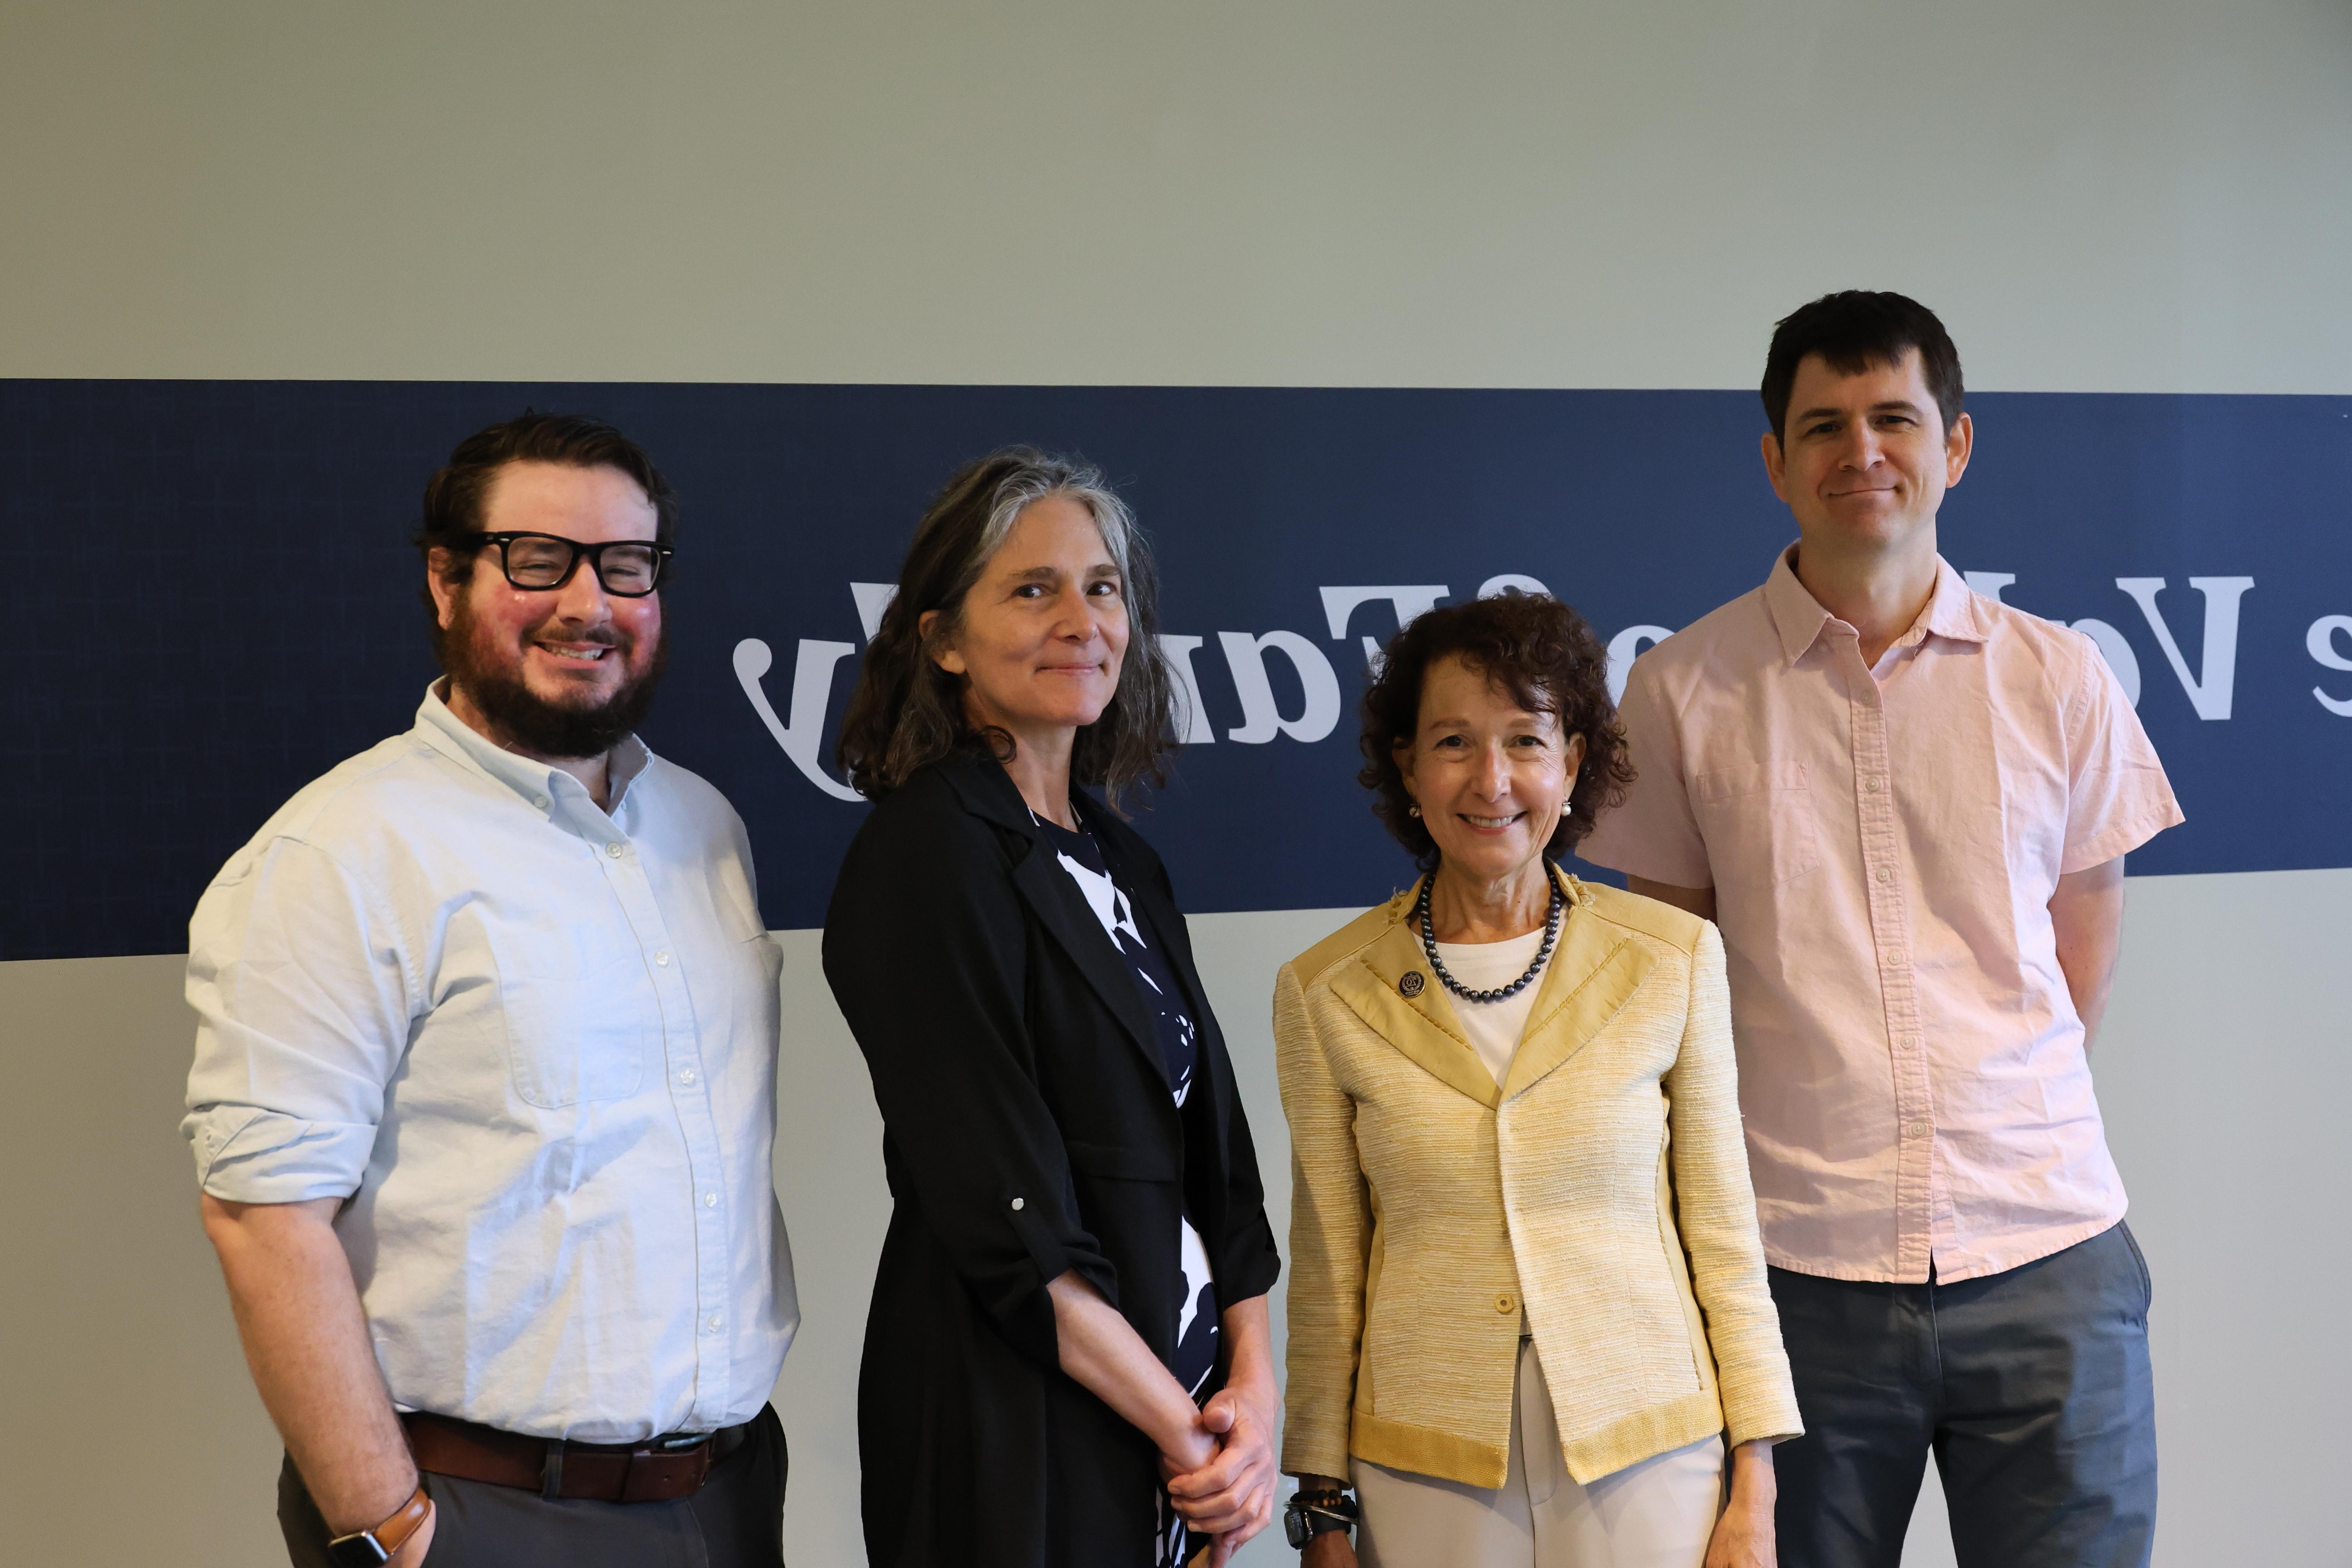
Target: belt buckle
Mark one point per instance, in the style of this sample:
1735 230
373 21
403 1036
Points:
665 1482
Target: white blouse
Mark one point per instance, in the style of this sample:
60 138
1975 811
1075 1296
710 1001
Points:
1493 1027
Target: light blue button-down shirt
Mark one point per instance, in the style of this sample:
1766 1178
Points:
533 1043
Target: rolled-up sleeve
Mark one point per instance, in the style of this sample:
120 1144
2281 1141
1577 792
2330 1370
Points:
1246 1263
924 951
301 994
2117 797
1715 1213
1330 1242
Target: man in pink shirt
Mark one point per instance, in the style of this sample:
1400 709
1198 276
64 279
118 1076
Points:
1907 805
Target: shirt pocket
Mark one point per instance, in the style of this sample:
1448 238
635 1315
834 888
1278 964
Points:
1759 823
581 1014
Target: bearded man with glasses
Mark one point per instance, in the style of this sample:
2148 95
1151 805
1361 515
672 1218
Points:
484 1094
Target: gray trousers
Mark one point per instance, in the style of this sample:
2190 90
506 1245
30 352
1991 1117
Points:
2031 1387
735 1520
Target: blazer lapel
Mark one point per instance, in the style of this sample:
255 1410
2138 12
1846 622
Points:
1164 927
1061 908
1413 1013
1162 924
1593 972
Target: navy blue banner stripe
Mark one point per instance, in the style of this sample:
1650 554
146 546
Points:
211 598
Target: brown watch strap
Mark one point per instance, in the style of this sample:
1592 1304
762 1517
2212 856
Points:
405 1520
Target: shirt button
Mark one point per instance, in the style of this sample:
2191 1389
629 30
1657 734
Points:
1894 957
614 851
710 1200
1504 1303
686 1077
1873 785
1019 1203
662 958
1915 1129
1883 874
540 801
717 1322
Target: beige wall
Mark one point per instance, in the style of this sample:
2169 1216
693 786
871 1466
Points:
2101 196
2223 1071
2119 196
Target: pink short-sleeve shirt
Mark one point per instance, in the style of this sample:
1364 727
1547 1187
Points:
1882 844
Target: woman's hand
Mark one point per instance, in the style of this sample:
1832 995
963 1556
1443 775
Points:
1232 1498
1743 1536
1185 1450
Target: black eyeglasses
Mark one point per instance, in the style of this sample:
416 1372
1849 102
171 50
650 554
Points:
536 562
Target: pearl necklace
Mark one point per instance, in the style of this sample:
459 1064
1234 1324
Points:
1501 992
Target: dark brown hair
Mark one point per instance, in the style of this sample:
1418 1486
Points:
455 494
1533 647
1853 331
907 711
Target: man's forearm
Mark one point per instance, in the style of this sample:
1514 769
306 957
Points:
305 1339
2086 918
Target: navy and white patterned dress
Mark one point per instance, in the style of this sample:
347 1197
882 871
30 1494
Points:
1196 1319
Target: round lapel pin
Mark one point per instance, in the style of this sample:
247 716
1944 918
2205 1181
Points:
1411 983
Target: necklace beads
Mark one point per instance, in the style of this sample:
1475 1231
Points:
1501 992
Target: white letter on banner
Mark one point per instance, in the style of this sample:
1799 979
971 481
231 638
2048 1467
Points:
2118 655
1191 715
2211 694
1261 721
1623 648
811 691
873 598
2320 643
1410 600
1495 587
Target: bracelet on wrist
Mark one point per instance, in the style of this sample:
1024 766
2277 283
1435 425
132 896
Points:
1310 1514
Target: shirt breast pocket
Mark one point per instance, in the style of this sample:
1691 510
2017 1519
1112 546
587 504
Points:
581 1014
1759 822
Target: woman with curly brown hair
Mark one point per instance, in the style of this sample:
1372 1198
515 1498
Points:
1528 1303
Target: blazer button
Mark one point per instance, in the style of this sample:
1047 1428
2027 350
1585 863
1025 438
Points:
1411 983
1504 1303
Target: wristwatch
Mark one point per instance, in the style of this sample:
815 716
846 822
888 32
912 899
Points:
373 1548
1310 1514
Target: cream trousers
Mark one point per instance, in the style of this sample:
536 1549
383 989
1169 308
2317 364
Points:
1657 1514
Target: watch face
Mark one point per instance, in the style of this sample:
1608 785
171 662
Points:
1294 1527
358 1551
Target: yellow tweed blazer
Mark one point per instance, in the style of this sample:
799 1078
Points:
1603 1189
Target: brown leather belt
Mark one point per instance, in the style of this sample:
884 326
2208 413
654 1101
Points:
654 1471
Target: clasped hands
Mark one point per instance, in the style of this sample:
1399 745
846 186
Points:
1221 1472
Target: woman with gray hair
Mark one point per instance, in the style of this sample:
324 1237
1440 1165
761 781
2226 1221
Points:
1066 1358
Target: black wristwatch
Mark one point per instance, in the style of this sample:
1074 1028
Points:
1310 1514
373 1548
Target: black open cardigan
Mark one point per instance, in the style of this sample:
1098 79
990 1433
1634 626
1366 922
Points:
1027 1130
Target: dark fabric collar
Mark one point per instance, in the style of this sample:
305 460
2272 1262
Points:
989 794
987 791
